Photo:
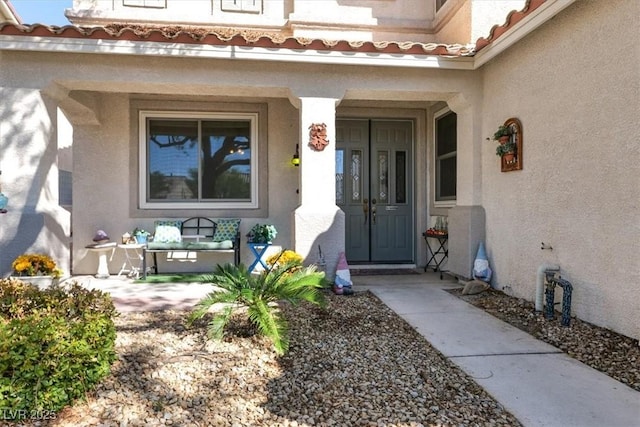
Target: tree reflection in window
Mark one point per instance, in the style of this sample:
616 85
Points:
199 160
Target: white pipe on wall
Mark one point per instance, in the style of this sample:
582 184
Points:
540 282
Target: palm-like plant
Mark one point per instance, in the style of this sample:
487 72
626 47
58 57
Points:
258 294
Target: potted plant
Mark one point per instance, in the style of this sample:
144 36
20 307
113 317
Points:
502 134
506 151
262 233
141 235
38 269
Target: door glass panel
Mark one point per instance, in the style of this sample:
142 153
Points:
401 179
340 177
383 176
356 174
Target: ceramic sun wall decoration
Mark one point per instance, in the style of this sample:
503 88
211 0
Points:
318 136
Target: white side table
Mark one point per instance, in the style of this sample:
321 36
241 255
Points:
102 249
133 259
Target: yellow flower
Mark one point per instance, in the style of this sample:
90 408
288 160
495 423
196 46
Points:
285 257
35 265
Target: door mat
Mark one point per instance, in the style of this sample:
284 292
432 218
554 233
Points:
383 271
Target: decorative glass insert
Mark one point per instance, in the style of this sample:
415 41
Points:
340 177
383 176
401 177
356 174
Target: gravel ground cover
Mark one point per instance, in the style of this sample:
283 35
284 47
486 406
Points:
354 364
611 353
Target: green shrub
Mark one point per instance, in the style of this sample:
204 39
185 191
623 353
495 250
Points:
55 344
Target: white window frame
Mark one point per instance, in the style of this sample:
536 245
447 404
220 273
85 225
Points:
196 115
248 6
155 4
436 176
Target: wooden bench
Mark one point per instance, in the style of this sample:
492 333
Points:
196 234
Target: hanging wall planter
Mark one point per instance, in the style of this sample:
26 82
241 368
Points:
509 149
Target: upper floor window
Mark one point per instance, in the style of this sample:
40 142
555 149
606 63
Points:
242 6
162 4
198 160
446 155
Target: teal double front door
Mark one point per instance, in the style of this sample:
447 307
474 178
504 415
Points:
374 188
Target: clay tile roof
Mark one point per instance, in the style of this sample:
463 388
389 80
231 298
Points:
230 36
512 19
219 36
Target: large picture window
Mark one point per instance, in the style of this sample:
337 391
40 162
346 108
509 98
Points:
198 160
446 156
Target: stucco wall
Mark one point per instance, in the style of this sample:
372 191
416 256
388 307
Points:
456 28
34 222
574 84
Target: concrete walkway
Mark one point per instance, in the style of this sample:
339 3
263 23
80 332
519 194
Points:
535 381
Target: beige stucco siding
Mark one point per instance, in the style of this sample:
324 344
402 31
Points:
34 223
575 87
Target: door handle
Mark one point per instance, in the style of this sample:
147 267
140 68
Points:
365 209
374 209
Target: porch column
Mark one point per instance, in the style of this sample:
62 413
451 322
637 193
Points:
318 222
34 221
467 218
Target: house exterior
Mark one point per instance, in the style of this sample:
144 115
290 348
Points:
155 109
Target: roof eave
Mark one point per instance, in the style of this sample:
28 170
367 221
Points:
333 57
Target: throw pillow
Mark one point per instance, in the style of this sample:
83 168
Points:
226 229
168 232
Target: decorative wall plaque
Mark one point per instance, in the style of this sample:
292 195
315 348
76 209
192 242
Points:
318 136
513 162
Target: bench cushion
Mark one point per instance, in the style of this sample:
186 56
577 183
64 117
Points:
186 246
